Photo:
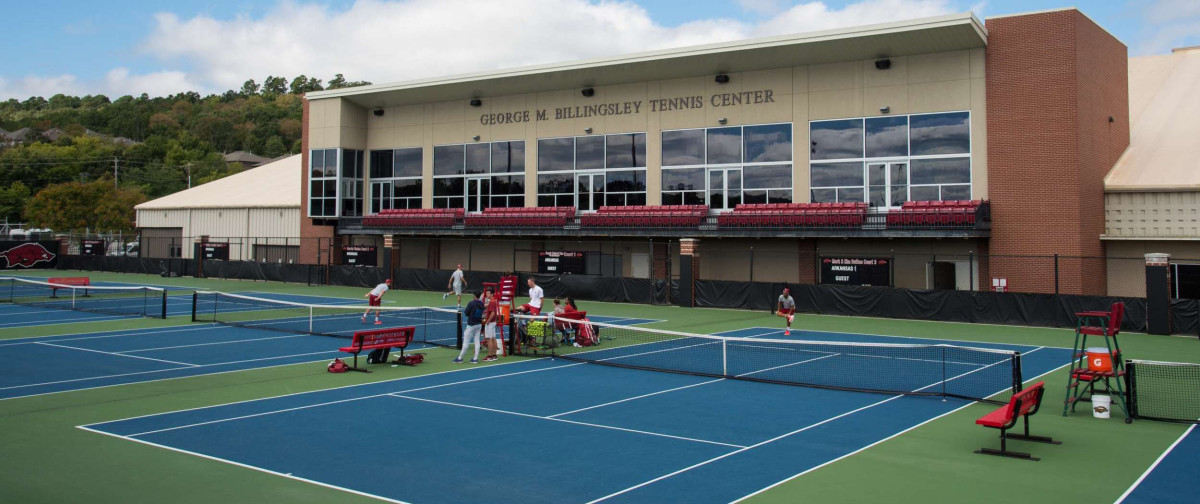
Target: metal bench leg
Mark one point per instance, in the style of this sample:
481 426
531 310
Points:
1036 439
1003 451
356 368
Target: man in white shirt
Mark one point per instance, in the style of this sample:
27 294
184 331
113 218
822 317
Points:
375 300
457 282
534 306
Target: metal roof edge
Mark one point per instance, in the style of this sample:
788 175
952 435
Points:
663 54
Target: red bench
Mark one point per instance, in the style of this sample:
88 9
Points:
379 339
1022 405
68 281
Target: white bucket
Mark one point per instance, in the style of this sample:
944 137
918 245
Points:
1101 406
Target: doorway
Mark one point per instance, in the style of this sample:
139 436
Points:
479 194
724 188
589 191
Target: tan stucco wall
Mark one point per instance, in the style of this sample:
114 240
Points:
940 82
1126 265
1152 214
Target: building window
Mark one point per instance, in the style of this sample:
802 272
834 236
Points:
479 175
395 179
589 172
323 183
724 167
887 161
351 183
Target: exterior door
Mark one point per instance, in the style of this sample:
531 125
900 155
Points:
724 188
887 184
589 191
478 194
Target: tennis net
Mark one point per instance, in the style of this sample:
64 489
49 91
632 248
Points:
434 326
132 300
1165 391
922 370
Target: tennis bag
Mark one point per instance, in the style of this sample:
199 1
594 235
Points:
337 366
586 335
412 359
378 355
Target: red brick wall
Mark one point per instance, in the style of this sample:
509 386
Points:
1052 81
314 240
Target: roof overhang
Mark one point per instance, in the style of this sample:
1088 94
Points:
918 36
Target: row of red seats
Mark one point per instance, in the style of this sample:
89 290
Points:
522 217
414 217
936 213
795 215
458 212
646 216
840 217
798 206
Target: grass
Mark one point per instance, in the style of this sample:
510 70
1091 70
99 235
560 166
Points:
46 459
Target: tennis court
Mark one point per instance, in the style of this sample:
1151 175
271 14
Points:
571 431
90 360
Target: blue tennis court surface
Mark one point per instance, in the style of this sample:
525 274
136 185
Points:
90 360
572 432
1172 478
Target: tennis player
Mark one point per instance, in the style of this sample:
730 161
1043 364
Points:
786 308
375 300
474 314
491 317
456 284
534 306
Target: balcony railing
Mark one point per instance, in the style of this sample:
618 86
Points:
924 218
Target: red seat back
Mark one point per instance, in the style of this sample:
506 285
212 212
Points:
1114 321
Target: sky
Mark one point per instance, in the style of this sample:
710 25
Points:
161 48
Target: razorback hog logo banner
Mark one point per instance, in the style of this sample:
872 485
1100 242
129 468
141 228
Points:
29 254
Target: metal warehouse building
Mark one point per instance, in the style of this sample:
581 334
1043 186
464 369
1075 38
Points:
255 212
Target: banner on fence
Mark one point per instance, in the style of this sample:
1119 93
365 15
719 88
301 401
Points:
92 248
856 271
215 251
27 255
561 262
359 255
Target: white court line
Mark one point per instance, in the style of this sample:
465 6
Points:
633 398
586 424
964 343
232 342
855 452
777 438
247 466
265 413
141 332
103 377
1154 465
117 354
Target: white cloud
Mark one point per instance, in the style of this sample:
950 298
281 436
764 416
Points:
45 87
1167 24
385 41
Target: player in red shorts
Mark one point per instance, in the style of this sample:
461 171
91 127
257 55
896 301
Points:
786 308
534 306
375 299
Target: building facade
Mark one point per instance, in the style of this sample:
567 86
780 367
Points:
1026 112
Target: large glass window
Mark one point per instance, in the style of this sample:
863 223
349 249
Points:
323 183
352 183
887 161
479 175
395 179
588 172
723 167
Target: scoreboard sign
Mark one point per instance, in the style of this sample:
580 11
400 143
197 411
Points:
359 255
560 262
856 271
92 247
215 250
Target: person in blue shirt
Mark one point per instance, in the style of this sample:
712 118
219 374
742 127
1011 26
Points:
474 315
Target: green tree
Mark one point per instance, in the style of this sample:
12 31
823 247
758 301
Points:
13 200
275 85
250 88
75 206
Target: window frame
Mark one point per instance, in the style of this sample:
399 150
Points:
336 179
489 174
907 160
559 197
381 201
704 193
